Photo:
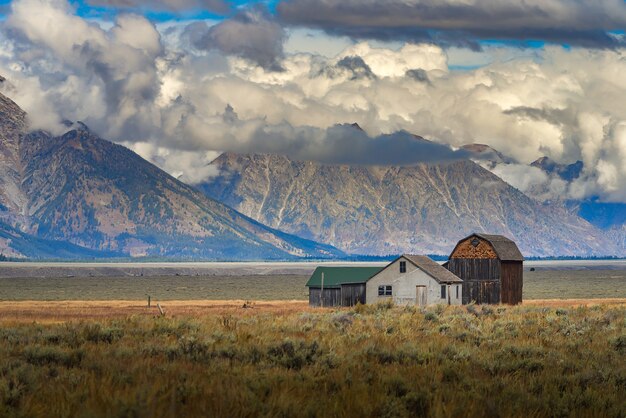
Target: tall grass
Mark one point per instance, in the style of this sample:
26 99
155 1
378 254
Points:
368 361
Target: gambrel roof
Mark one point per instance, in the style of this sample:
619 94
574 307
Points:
505 248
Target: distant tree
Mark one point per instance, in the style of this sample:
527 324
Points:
2 257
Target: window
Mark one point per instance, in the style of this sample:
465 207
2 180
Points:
402 266
443 291
475 242
457 291
384 290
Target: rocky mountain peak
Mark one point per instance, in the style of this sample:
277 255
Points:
95 197
567 172
486 154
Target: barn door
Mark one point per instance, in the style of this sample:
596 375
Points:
420 297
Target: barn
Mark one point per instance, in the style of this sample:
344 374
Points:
491 267
339 286
414 280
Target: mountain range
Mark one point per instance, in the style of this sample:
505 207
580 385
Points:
607 216
423 208
93 198
77 195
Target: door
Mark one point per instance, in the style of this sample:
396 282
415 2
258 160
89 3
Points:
420 298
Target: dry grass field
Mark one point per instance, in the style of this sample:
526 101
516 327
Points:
556 358
62 311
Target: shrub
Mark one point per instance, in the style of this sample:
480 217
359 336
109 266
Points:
95 333
619 344
42 356
430 316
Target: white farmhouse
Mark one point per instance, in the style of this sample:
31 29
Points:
414 280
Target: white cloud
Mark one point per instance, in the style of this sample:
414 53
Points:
137 84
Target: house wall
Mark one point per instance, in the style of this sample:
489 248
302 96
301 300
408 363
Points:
404 286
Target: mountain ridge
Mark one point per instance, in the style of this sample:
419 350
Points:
380 210
91 193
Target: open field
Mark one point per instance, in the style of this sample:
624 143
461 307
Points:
302 268
28 311
540 284
119 359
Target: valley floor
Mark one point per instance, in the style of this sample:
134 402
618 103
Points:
216 358
47 312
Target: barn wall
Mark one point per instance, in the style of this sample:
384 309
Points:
481 292
475 268
332 296
512 282
351 294
481 278
465 249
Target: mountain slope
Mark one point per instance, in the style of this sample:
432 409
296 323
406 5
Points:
390 210
12 124
18 244
98 195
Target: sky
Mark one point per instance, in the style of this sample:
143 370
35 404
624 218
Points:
180 81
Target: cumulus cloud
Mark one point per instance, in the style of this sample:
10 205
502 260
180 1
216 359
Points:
177 104
533 181
107 78
584 22
252 33
216 6
192 167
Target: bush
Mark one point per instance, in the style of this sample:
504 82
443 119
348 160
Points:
619 344
42 356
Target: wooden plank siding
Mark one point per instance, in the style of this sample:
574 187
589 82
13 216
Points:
351 294
481 291
475 268
347 295
512 282
481 278
332 296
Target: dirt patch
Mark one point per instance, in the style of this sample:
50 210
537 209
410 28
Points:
61 311
574 302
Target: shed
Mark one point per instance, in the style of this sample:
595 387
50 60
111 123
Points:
491 267
414 280
343 286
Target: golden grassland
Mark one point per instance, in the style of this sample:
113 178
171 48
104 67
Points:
218 359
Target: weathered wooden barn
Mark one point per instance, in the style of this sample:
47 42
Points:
491 267
339 286
414 280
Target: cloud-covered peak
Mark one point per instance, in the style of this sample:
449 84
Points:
180 93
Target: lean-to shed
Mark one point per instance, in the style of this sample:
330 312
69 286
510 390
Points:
491 267
342 286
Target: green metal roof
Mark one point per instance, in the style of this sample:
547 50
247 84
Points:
336 276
